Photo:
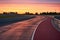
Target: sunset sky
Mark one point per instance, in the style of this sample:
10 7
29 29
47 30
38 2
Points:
33 6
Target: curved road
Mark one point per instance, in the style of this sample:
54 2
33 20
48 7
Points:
21 30
46 31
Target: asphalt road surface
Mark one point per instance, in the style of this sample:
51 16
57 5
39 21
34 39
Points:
46 31
20 30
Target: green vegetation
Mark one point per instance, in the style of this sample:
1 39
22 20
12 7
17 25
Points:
7 16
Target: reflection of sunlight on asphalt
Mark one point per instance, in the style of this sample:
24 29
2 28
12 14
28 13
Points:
57 22
20 30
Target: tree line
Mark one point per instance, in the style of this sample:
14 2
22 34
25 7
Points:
28 13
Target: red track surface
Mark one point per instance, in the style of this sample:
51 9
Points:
46 31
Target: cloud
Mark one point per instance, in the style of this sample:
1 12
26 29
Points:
17 1
29 1
49 1
4 1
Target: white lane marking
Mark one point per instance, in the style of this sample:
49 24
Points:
37 27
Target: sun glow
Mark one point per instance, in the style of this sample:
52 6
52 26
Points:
21 8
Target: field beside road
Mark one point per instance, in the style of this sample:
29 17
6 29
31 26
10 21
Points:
11 19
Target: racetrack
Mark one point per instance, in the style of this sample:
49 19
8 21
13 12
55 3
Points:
22 30
46 31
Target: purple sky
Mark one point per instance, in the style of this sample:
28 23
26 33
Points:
29 1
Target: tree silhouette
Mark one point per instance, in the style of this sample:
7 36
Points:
36 13
5 13
27 13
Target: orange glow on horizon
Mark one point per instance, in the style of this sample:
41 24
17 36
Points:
22 8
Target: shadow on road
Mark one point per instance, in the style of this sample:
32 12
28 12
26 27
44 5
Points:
8 21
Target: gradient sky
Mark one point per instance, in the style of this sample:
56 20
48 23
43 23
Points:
22 6
29 1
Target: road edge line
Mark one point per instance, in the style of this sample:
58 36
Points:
36 28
